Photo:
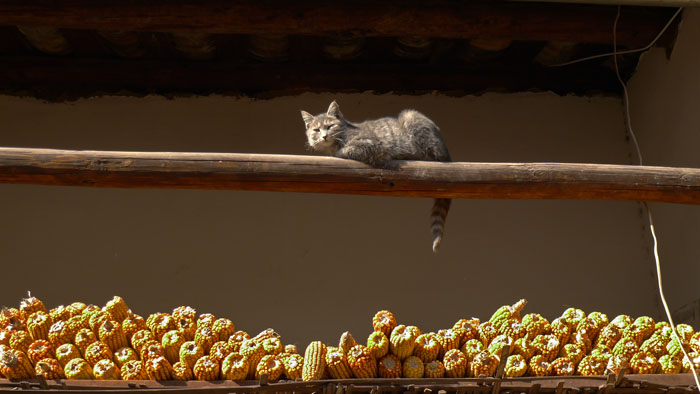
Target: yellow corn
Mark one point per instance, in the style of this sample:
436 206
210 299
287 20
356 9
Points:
337 363
487 332
140 338
162 324
389 366
205 337
539 366
78 368
456 364
523 347
49 368
347 342
573 352
7 315
361 362
427 347
563 366
96 319
467 329
265 334
506 312
534 324
643 363
20 340
30 305
134 370
572 316
254 351
293 366
608 336
76 323
60 333
449 339
413 368
483 363
97 351
172 342
184 312
626 348
472 347
76 308
695 359
498 343
190 352
378 344
112 334
656 344
434 370
132 324
223 328
314 361
124 355
516 366
590 366
159 368
561 329
207 368
290 349
151 349
106 370
84 338
271 365
67 352
117 309
14 364
384 321
235 340
205 320
403 340
547 346
272 345
220 350
182 372
669 364
38 350
38 325
235 367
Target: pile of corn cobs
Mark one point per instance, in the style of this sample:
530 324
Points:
89 342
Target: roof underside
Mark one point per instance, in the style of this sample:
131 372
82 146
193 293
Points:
266 48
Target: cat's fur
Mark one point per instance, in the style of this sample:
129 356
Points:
408 136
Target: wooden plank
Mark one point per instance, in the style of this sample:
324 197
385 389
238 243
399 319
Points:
286 173
441 18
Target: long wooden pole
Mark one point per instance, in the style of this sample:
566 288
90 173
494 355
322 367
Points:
287 173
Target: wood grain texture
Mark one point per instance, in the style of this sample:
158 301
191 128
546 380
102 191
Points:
313 174
394 18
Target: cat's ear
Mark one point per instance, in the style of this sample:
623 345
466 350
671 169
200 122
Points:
334 110
308 118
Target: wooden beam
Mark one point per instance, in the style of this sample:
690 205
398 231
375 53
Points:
286 173
394 18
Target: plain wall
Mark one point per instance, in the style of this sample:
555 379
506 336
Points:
312 265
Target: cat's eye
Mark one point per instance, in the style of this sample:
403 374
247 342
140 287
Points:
316 130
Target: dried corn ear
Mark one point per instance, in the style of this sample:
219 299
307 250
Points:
188 328
403 340
151 349
184 312
484 363
449 339
190 352
124 355
117 309
235 367
591 366
254 351
293 366
223 328
506 312
60 333
573 352
523 347
389 366
205 320
378 344
38 350
159 368
67 352
164 323
626 348
38 325
76 308
84 338
112 334
140 338
133 324
78 368
501 341
361 362
347 341
384 321
513 329
314 361
563 366
539 366
96 319
271 365
670 364
207 368
572 316
290 349
487 332
685 331
15 364
235 340
608 336
5 337
472 347
695 359
427 347
265 334
581 338
152 318
337 363
49 368
134 370
182 372
98 351
30 305
516 366
172 342
547 346
561 329
272 345
205 337
434 370
413 368
534 324
20 340
106 370
219 350
643 363
616 364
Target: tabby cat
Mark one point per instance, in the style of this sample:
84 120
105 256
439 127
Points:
408 136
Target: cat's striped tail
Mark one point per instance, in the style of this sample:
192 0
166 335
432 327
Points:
437 218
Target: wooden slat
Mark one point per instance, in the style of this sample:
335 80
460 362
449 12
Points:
442 18
286 173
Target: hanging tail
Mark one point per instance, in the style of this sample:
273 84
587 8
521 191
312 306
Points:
437 218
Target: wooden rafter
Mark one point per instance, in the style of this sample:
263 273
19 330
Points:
286 173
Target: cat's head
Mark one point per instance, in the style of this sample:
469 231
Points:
325 132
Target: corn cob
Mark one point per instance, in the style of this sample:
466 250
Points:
413 368
205 337
695 359
685 331
182 372
390 366
314 361
547 346
188 328
271 365
272 345
484 363
293 365
434 370
124 355
112 334
498 343
563 366
20 340
655 345
643 363
513 329
616 364
539 366
472 347
15 324
609 336
487 331
59 333
76 308
207 368
235 367
573 352
235 340
506 312
164 323
151 349
90 308
97 351
337 362
38 350
581 338
76 323
84 338
106 370
205 320
670 364
384 321
290 349
694 342
561 329
254 351
265 334
600 318
49 368
523 347
117 309
14 364
361 362
184 312
38 325
626 348
78 368
572 316
134 370
378 344
590 366
30 305
403 340
223 328
622 321
67 352
172 342
140 338
5 337
347 342
96 319
516 366
427 347
133 324
7 314
468 329
153 318
448 339
190 352
590 327
219 351
601 354
159 368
